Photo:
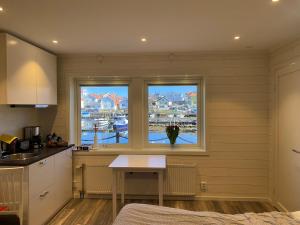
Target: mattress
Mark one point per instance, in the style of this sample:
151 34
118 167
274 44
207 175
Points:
141 214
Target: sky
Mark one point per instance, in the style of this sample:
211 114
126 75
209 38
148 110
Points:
153 89
119 90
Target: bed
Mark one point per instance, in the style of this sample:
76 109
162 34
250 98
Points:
141 214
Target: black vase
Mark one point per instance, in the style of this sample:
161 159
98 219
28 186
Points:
172 133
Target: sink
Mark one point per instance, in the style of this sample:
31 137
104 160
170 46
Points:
21 156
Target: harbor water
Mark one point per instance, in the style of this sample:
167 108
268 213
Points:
87 137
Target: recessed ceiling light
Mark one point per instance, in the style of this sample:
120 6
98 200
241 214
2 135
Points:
237 37
275 0
1 9
143 39
55 42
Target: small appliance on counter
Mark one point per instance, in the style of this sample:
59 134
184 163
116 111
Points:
55 141
8 143
32 134
84 147
23 145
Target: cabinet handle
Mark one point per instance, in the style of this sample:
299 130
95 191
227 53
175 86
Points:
44 194
42 163
296 151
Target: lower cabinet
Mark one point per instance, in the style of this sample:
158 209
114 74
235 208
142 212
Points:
49 186
42 206
63 178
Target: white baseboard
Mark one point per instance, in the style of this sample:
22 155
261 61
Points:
232 198
169 197
280 207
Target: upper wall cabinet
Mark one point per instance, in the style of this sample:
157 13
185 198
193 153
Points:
28 74
46 78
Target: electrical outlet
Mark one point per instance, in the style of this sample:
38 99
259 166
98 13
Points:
203 186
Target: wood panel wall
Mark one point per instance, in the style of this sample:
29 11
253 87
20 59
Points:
238 97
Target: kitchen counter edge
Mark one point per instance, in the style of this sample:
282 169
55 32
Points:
46 152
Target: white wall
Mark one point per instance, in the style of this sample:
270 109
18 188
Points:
237 111
12 120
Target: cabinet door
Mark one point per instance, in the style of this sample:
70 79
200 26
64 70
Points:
63 177
41 191
42 206
21 67
41 175
46 75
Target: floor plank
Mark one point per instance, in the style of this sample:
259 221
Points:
99 211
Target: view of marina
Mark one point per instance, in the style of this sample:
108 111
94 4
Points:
106 107
172 105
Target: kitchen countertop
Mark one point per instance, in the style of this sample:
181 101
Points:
45 152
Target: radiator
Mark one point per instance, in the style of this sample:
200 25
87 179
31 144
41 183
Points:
179 179
97 179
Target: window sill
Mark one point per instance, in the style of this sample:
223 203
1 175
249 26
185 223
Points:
147 151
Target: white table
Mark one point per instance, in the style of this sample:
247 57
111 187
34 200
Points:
136 163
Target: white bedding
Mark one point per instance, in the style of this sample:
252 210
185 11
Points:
296 215
141 214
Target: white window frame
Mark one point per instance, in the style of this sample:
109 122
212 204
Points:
104 82
138 125
201 125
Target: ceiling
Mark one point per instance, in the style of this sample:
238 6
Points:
117 26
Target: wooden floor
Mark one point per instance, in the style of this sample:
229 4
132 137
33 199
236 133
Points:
99 211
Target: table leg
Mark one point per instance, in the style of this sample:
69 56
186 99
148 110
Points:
114 194
160 187
123 187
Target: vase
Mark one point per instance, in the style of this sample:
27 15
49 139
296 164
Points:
172 133
95 145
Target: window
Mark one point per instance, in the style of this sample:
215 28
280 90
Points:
105 108
133 112
173 105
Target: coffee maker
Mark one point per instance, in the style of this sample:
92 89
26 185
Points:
32 134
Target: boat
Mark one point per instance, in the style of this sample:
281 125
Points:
120 123
102 123
181 116
85 114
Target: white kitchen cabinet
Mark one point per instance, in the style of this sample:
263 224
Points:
50 186
42 206
46 77
47 187
63 177
20 71
41 192
28 74
41 175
